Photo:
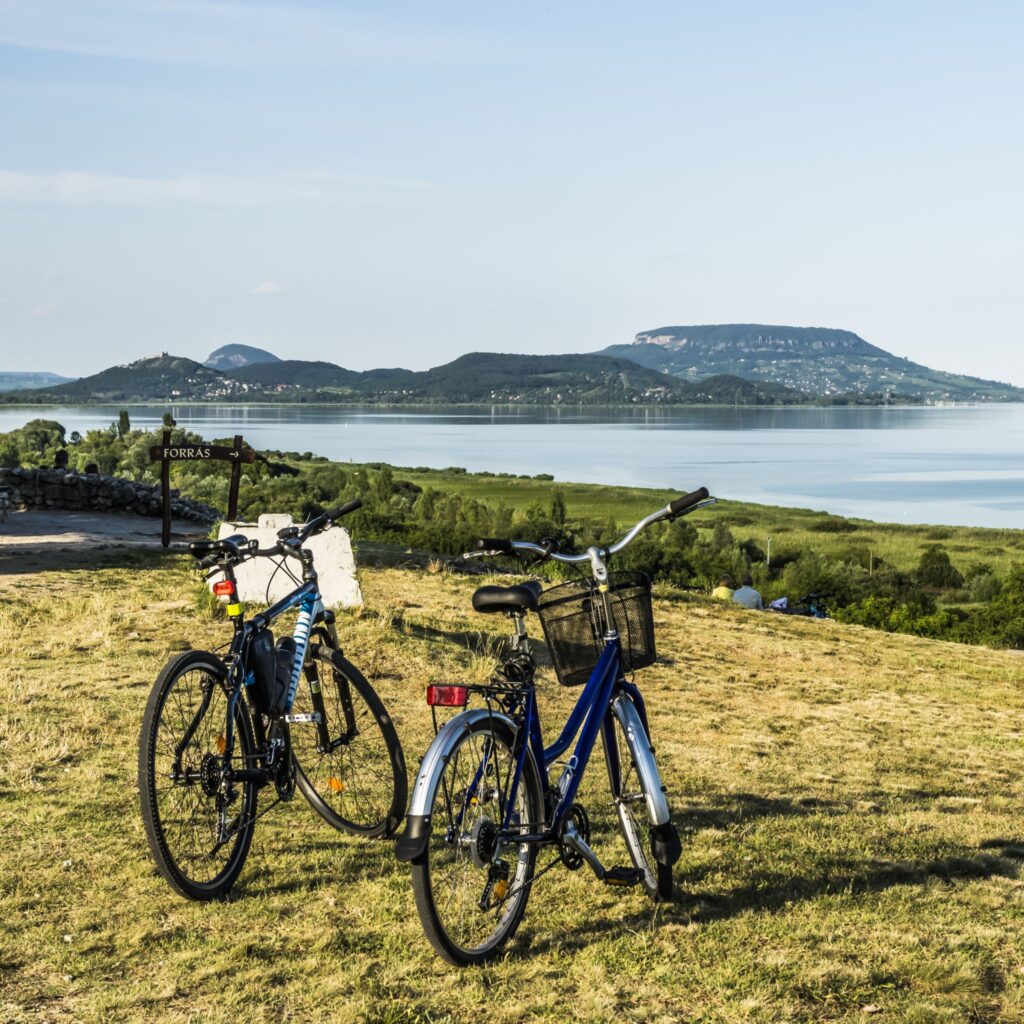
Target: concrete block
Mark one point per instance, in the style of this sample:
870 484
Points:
332 558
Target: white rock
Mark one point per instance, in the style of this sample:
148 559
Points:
332 558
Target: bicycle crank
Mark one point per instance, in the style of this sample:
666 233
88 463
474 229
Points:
577 846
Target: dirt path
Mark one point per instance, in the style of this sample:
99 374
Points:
33 541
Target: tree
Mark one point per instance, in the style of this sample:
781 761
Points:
936 570
124 424
558 507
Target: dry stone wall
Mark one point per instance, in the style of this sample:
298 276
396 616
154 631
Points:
60 489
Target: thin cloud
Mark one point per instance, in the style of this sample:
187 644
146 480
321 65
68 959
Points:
83 188
224 34
43 309
267 288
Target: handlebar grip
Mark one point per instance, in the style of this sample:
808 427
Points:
343 510
492 544
688 500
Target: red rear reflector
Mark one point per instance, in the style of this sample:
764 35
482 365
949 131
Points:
448 696
223 588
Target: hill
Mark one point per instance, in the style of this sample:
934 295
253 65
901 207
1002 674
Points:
155 378
233 357
476 378
820 361
14 380
485 377
849 804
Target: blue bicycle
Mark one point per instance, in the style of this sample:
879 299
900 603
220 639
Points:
483 804
216 730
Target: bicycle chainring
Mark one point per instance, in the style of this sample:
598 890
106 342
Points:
284 764
577 816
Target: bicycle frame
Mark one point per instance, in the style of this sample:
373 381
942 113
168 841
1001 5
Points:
311 614
591 714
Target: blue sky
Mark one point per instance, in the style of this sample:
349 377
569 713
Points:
385 184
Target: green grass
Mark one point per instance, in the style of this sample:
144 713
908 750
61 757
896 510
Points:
791 529
850 802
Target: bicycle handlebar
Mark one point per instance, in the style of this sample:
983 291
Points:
681 506
687 501
287 546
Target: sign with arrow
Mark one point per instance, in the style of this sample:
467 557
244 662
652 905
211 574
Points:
166 453
200 453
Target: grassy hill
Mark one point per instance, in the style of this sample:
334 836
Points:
850 805
817 360
155 378
476 378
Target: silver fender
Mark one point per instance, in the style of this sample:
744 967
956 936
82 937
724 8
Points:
417 830
643 757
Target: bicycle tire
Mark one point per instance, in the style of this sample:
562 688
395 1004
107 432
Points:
360 787
199 809
636 828
440 847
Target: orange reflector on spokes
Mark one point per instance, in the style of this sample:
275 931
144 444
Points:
337 786
222 743
447 696
224 588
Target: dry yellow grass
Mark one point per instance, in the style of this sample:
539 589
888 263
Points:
850 801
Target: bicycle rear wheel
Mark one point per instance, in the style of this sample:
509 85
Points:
471 890
198 832
356 781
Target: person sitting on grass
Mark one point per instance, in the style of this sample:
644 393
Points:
723 592
747 595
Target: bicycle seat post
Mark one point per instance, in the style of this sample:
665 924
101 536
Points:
518 629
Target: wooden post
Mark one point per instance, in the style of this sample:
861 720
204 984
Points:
236 479
165 486
165 455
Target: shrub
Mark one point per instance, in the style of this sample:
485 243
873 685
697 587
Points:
936 570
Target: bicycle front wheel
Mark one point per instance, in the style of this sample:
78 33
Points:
470 885
199 830
633 800
349 765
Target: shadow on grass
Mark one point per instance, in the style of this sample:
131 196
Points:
767 892
478 641
71 557
737 808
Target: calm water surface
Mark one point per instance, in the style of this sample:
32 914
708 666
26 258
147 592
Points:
915 465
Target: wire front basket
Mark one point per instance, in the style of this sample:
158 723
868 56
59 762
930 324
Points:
572 617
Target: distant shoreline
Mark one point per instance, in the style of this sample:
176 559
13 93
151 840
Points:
428 406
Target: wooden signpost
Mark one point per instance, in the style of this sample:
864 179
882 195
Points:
166 453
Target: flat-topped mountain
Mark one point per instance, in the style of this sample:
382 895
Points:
820 361
233 357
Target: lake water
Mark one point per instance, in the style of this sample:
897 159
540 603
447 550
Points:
957 465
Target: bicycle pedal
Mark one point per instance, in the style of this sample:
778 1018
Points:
625 877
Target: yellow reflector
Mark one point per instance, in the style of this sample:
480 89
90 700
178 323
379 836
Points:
234 609
222 743
337 786
500 888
